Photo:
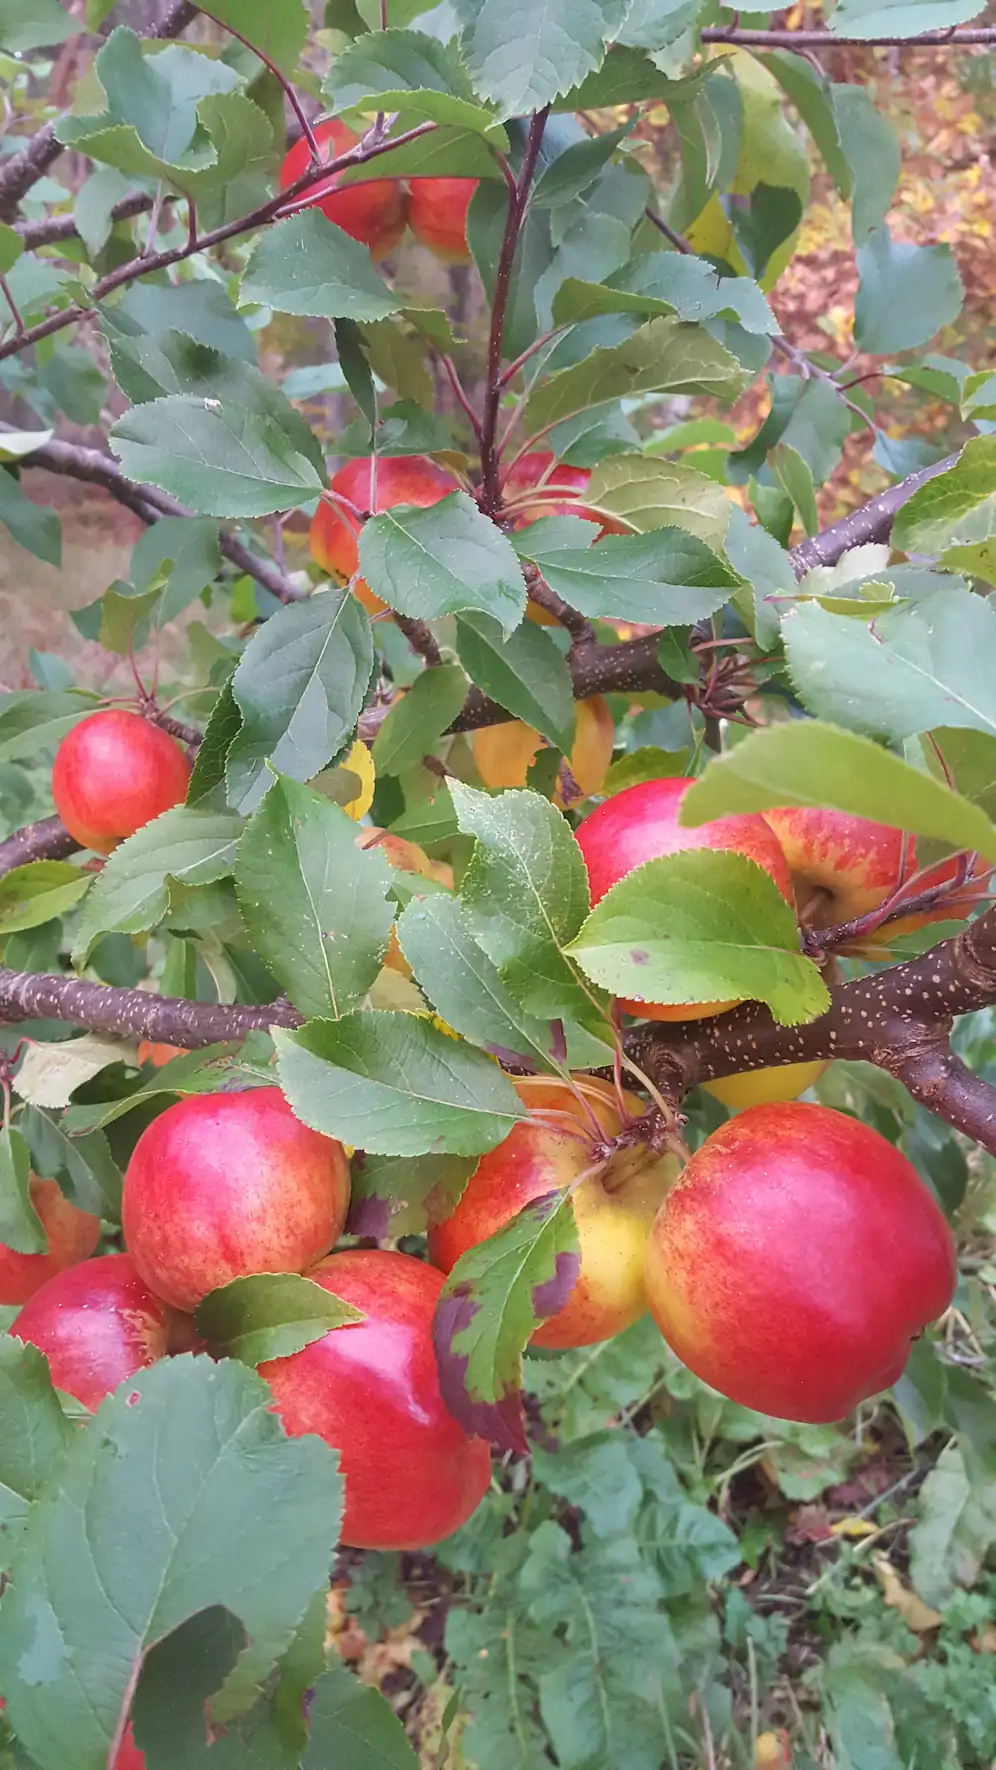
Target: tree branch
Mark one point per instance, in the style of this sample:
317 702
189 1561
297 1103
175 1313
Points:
873 522
133 1013
47 840
518 200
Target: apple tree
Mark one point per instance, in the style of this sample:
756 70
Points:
524 867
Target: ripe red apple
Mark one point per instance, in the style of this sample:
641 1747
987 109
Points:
128 1756
371 1390
223 1185
113 773
72 1236
504 753
641 824
372 211
614 1206
400 479
437 215
843 867
795 1260
97 1323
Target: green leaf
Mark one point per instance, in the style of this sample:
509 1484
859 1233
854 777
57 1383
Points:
33 894
270 1315
33 24
497 1295
20 1224
661 283
314 905
806 763
398 357
525 672
84 1162
307 265
412 72
300 684
151 120
35 527
465 987
418 718
124 617
575 171
916 666
905 294
900 19
524 896
203 312
665 356
655 494
354 1727
219 1508
195 1072
131 891
223 459
871 146
791 472
395 1084
701 926
521 57
31 722
954 1532
858 1717
450 557
813 97
278 27
34 1434
400 1195
666 578
954 512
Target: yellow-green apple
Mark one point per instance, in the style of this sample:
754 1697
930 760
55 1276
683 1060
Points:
223 1185
764 1087
72 1236
796 1259
113 773
504 753
372 210
437 215
641 824
397 479
97 1323
558 1147
370 1389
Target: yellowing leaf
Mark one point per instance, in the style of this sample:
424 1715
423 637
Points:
917 1615
360 762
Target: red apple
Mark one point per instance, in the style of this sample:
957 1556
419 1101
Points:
113 773
97 1324
72 1236
372 211
795 1260
843 867
371 1390
437 215
128 1756
614 1206
223 1185
641 824
399 479
504 753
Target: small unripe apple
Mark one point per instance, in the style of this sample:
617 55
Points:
437 215
114 772
504 753
72 1236
372 210
796 1259
614 1206
97 1324
843 867
371 1390
399 479
220 1186
764 1087
641 824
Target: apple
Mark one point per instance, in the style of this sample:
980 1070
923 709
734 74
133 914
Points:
370 1389
114 772
97 1324
399 479
763 1087
128 1756
504 753
795 1260
641 824
372 211
437 215
843 867
614 1205
159 1055
223 1185
72 1236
